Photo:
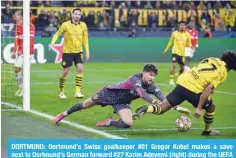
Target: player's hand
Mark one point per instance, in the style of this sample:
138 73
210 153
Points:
164 53
87 57
197 112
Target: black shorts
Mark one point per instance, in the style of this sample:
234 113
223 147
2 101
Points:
177 58
180 94
69 58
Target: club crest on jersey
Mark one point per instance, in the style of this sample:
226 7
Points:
95 96
138 83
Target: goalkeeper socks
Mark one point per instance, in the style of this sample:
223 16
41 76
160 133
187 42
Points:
78 81
120 123
156 109
208 119
75 108
62 84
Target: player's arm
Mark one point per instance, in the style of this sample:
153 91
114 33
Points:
145 96
136 84
16 43
170 43
16 47
85 39
196 39
32 38
203 98
154 90
58 33
34 30
189 43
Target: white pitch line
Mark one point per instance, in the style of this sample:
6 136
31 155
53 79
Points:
161 129
89 70
111 82
3 110
222 92
88 129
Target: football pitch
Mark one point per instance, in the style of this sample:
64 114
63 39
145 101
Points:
45 100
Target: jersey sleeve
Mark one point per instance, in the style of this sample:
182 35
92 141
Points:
58 33
17 42
196 37
85 38
32 37
219 78
153 89
137 86
189 44
33 30
171 42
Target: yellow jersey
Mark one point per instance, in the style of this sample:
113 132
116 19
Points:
75 36
180 39
208 71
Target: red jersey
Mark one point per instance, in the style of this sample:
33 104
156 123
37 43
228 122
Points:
18 45
194 36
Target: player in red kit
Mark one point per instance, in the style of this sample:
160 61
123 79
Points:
189 52
18 51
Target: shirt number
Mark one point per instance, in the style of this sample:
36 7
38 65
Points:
208 69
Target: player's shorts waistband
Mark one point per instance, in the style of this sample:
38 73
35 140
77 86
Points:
72 52
185 88
178 54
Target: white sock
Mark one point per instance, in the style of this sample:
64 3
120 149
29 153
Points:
19 80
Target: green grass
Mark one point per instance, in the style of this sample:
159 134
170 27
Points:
44 98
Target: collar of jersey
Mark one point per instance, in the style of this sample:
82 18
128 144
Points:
73 23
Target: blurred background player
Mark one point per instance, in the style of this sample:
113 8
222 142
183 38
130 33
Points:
120 96
179 39
189 52
18 50
196 86
75 36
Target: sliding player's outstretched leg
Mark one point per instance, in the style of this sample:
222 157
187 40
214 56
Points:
158 109
77 107
125 121
154 108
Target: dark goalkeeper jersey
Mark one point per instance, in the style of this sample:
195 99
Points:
133 88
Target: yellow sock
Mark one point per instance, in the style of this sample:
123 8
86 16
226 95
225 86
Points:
78 80
150 109
207 127
208 119
171 78
156 109
62 84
